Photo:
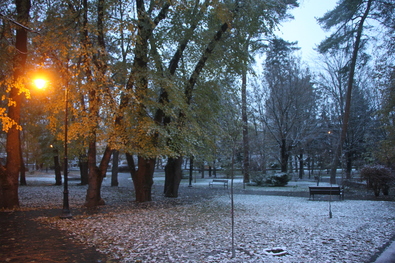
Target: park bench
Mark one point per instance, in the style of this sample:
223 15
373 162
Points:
223 182
326 190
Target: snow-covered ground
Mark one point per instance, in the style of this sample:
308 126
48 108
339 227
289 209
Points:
190 229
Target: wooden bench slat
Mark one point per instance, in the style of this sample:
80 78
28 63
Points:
221 181
326 190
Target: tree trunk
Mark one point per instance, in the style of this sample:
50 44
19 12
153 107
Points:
290 166
214 170
190 171
301 164
22 179
131 164
246 142
232 214
114 170
143 179
84 170
312 165
58 173
9 175
348 155
96 174
93 195
173 175
284 156
338 152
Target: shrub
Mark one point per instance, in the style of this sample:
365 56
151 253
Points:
278 179
378 178
258 178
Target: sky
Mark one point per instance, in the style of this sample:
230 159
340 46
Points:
304 28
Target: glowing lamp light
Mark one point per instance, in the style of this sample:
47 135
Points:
40 83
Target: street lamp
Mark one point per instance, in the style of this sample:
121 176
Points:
41 83
66 209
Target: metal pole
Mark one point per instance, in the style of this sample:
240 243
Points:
66 209
190 171
232 203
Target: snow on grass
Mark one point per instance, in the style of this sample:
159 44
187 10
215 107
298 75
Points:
193 229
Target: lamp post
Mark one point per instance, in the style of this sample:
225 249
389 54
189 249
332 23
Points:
66 209
190 171
41 83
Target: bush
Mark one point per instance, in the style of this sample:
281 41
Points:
258 178
378 178
278 179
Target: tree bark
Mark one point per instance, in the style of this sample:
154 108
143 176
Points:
58 174
190 171
22 179
143 179
93 195
246 142
202 62
348 156
301 168
96 174
173 176
131 164
284 156
114 170
84 170
9 174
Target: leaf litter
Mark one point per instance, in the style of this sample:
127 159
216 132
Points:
198 229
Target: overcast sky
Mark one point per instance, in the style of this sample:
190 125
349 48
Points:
304 28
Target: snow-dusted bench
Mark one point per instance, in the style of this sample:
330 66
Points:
326 190
223 182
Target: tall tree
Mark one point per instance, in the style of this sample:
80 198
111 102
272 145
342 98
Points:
9 174
263 17
82 61
349 18
361 127
246 141
138 84
385 80
385 153
96 174
175 166
290 100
